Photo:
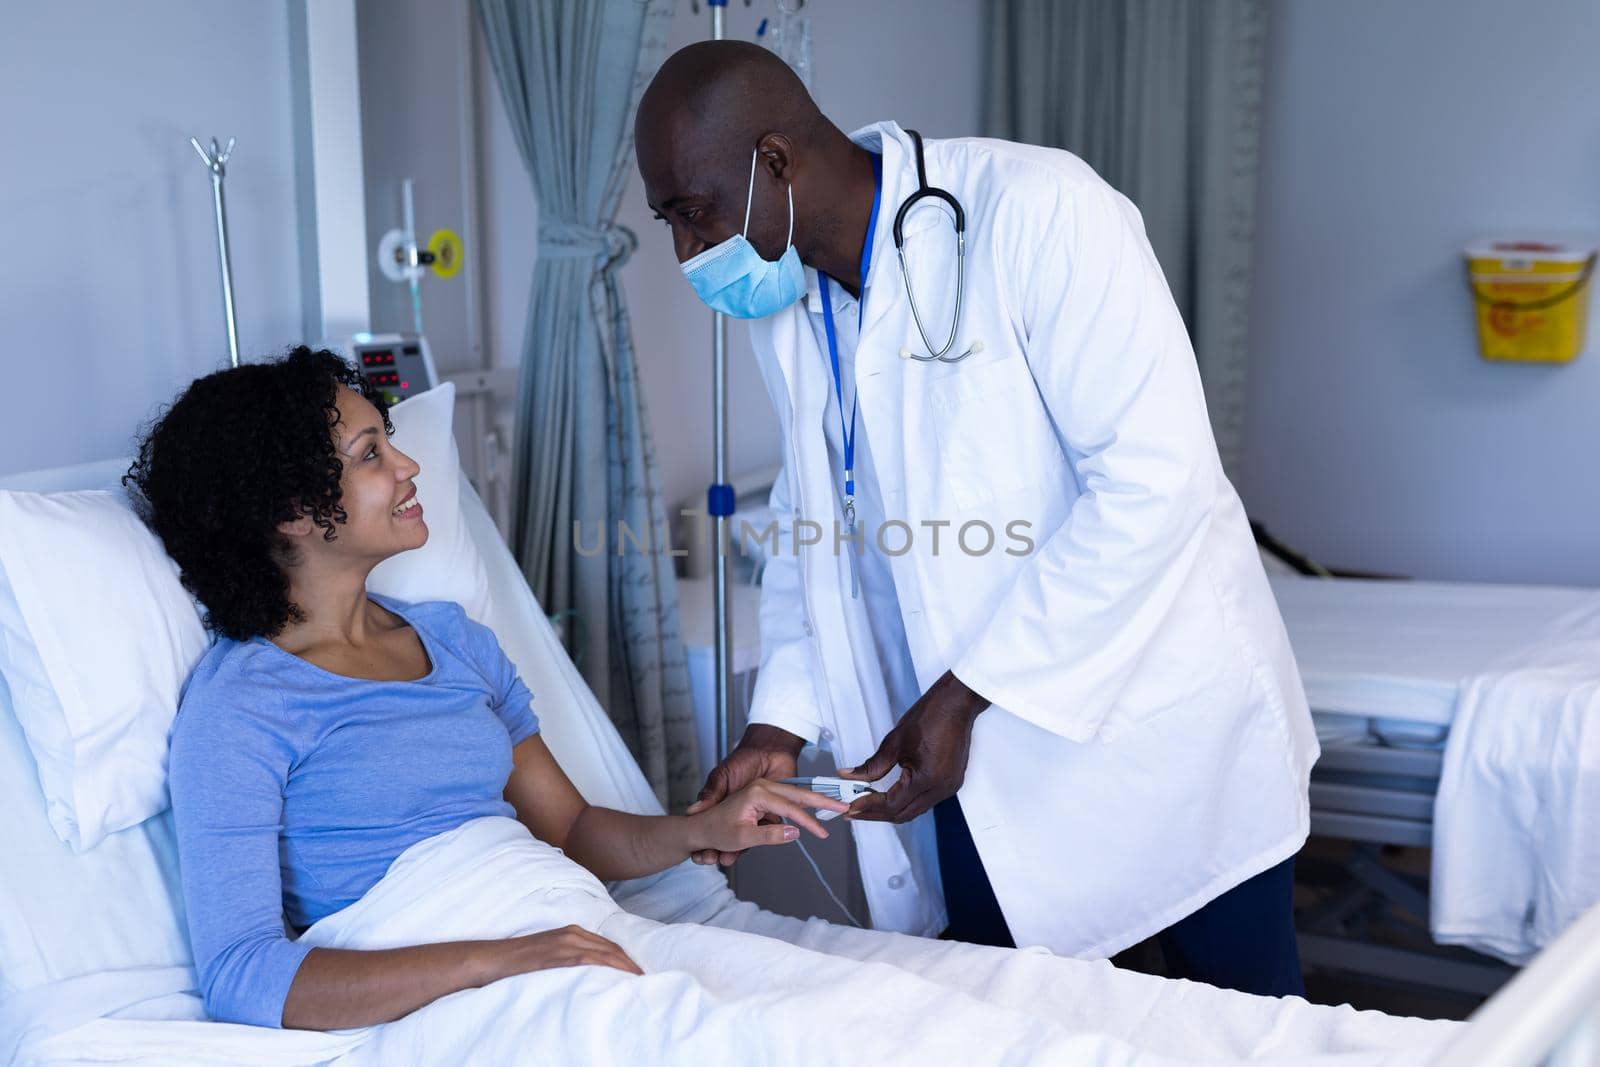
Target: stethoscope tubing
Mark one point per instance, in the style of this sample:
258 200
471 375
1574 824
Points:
926 191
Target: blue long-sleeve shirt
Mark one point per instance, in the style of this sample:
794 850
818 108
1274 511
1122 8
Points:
294 789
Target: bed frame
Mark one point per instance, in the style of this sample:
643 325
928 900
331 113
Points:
1374 795
1547 1016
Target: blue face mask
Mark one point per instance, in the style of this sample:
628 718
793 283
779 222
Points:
732 278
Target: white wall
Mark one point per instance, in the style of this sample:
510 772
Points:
109 291
1393 134
916 61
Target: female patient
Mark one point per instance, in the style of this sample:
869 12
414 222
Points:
330 729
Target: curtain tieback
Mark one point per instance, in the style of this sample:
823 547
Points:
610 242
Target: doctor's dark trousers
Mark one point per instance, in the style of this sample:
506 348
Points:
1242 940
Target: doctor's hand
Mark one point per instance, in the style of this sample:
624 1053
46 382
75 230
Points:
763 752
930 744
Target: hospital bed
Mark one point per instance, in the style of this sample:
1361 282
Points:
93 956
1384 663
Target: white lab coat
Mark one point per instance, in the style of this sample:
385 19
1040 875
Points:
1149 744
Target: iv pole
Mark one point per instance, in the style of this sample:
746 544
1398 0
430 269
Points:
719 497
216 162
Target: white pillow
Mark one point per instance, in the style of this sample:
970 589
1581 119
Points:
449 566
97 635
96 638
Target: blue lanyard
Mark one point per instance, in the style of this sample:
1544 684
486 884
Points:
847 435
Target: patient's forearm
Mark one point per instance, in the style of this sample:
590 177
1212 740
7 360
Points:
616 844
339 988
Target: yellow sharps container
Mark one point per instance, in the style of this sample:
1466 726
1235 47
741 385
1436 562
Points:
1532 298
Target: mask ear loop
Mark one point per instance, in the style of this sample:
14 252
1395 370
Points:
750 193
750 196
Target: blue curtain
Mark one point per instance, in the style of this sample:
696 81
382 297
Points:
1163 99
570 73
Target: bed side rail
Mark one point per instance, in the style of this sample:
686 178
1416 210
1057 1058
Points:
1547 1016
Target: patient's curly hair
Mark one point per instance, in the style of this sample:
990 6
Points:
241 451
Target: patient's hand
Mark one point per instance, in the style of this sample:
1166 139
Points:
750 817
570 946
763 752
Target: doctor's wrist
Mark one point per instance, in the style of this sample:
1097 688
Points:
959 699
772 738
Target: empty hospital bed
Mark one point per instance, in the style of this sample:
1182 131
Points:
1388 666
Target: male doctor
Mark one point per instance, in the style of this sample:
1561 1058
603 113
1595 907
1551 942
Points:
1103 674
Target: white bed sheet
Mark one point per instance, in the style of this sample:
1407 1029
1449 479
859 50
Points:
1516 853
1400 650
715 996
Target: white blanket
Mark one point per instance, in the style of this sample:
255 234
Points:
725 996
1516 825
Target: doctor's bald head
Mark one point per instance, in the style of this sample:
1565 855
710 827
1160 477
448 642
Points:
712 107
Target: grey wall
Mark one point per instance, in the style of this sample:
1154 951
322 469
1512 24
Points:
109 292
415 56
510 220
1377 438
917 61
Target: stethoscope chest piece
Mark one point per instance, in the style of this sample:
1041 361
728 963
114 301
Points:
971 350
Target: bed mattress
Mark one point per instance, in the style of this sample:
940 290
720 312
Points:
1387 659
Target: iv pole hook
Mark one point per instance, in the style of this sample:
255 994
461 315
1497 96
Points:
216 162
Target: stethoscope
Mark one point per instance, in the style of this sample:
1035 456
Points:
847 431
924 191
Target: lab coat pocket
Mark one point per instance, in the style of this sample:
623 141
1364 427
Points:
1190 666
995 437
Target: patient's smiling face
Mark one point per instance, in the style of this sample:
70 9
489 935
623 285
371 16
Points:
383 515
